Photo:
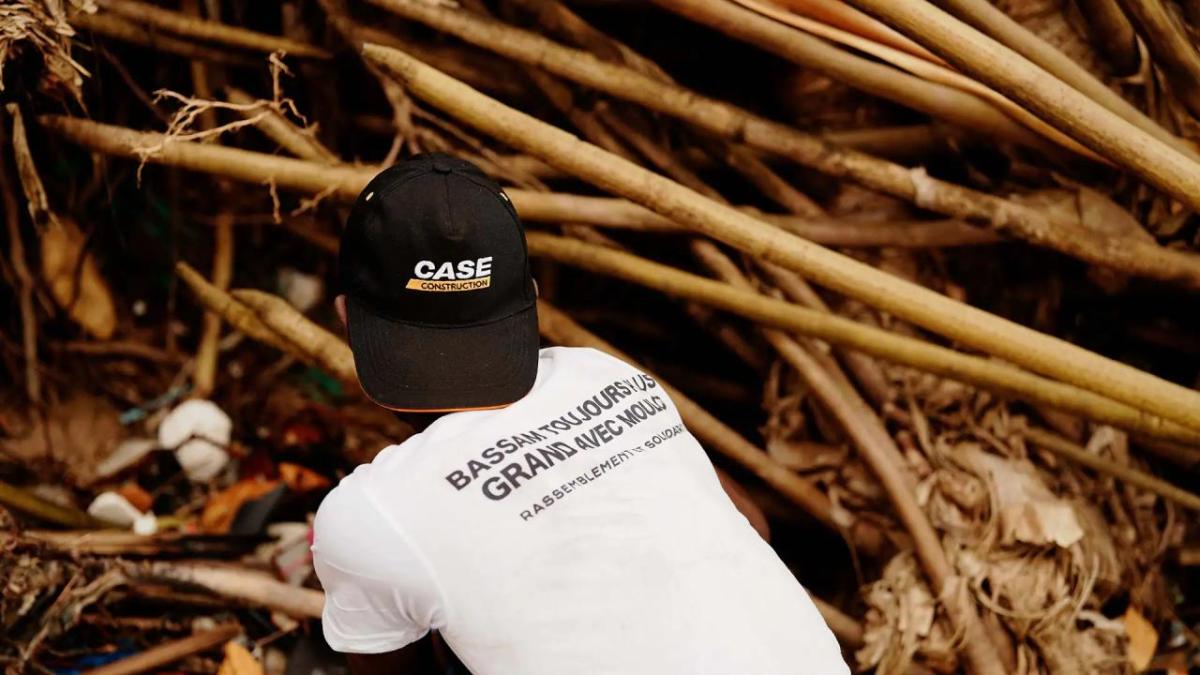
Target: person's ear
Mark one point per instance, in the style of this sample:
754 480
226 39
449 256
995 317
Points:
339 303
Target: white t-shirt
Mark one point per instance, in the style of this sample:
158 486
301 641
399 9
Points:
581 529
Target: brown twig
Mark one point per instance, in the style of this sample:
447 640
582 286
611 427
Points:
973 327
1171 47
210 31
205 373
300 142
30 504
25 281
1073 452
1134 256
158 656
115 27
247 586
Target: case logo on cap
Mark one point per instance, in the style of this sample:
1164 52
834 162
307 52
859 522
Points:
464 275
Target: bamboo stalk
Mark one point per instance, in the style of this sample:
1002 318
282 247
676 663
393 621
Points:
30 504
220 302
251 587
771 35
988 374
319 345
1111 33
880 453
899 142
1073 452
1157 162
278 128
1171 47
985 17
158 656
348 182
113 26
24 278
547 207
210 31
205 374
1134 256
973 327
559 328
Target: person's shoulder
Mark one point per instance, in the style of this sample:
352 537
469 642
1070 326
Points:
585 356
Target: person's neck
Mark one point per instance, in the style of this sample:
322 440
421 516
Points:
417 420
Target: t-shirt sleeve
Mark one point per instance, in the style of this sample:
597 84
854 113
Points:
379 593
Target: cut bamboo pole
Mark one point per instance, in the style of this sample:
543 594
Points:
561 329
985 17
1172 49
1159 163
1111 33
1079 455
348 182
545 207
973 327
770 27
988 374
113 26
879 452
205 375
28 503
1133 256
156 657
278 128
210 31
248 586
220 302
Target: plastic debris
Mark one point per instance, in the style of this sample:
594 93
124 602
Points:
113 508
198 430
303 291
146 524
129 452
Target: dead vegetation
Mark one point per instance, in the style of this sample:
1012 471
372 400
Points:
921 276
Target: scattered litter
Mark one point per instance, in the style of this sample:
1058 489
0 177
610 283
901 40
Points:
199 431
303 291
129 452
113 508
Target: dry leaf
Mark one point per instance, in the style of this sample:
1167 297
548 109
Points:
1027 510
1143 639
90 304
223 507
239 661
301 479
65 258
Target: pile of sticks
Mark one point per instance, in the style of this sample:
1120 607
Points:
819 261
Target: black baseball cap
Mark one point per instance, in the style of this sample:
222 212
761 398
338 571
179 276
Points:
441 308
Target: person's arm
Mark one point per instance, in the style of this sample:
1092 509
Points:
380 601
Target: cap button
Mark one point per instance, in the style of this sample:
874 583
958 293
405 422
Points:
442 165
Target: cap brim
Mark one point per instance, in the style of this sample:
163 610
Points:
421 368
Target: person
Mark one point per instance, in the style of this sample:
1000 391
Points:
555 516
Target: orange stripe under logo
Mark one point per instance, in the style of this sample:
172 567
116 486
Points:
449 285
